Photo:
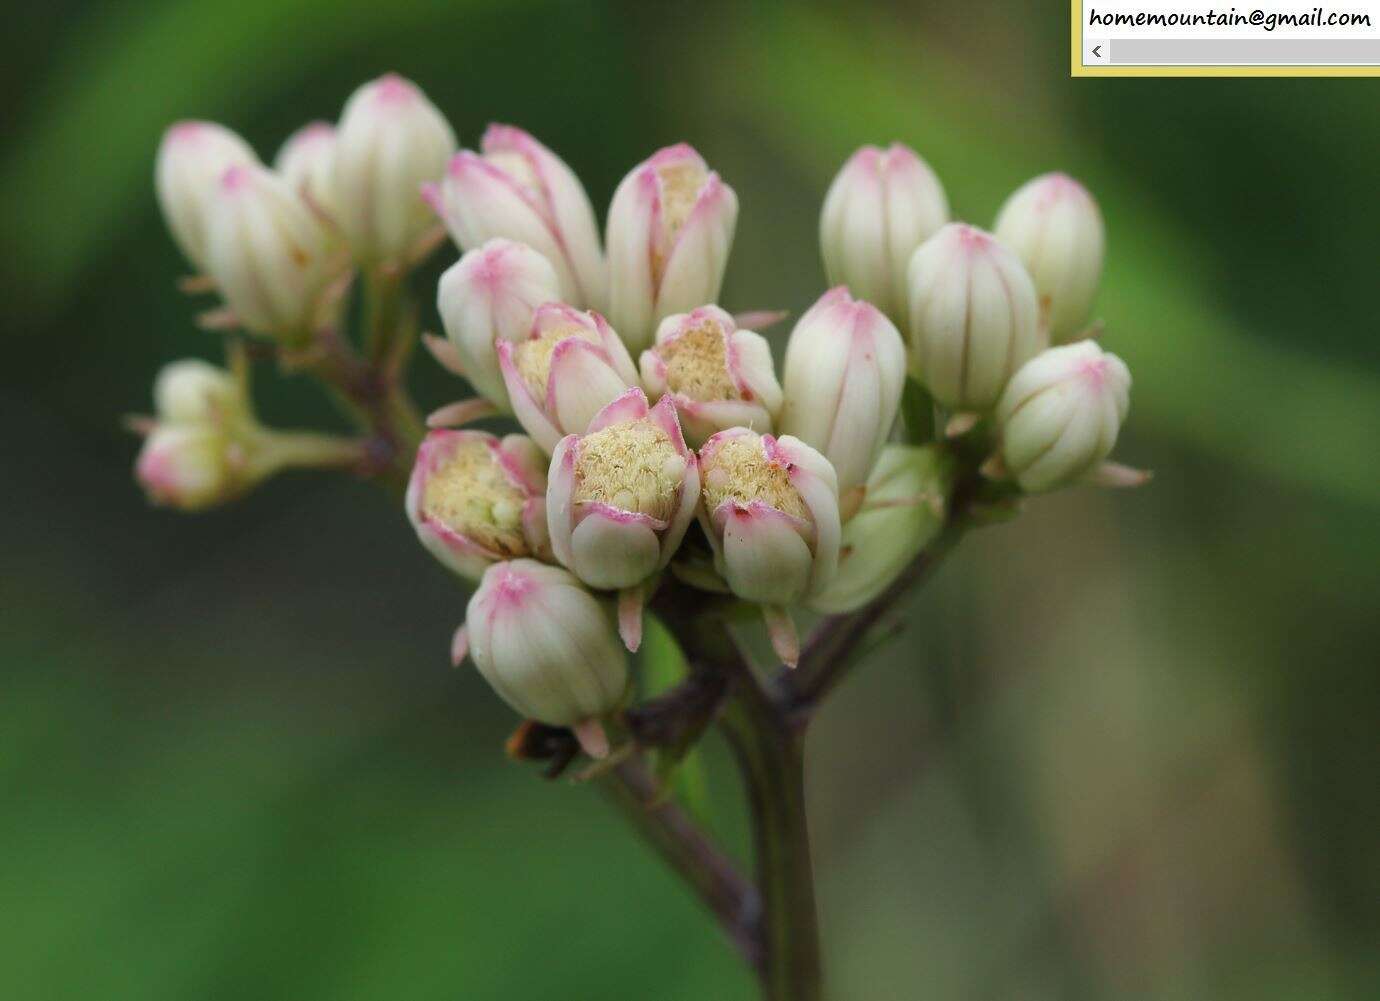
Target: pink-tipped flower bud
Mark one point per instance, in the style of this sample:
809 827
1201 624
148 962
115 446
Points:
770 507
718 376
973 317
1055 228
192 391
491 294
475 499
670 229
881 206
902 513
845 369
570 366
306 162
545 645
518 189
1060 415
391 141
187 466
622 494
192 159
269 254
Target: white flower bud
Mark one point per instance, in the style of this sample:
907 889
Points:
718 376
187 466
622 494
881 206
903 511
192 159
269 255
544 644
192 391
475 499
845 369
973 317
390 142
670 229
518 189
570 366
306 162
491 294
1055 228
1060 415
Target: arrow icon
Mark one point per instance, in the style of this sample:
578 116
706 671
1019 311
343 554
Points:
1097 50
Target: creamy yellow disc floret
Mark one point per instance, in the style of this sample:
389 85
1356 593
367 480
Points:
680 185
631 466
469 494
739 471
696 365
533 357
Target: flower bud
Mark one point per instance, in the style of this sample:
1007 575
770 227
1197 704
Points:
518 189
973 317
670 229
192 159
845 369
192 391
622 494
544 644
1055 228
391 141
881 206
491 295
1060 415
903 512
570 366
770 509
475 499
306 162
718 376
187 466
269 255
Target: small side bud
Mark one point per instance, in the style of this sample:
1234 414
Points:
518 189
192 158
192 391
475 499
1054 226
881 206
306 162
545 645
1060 415
974 319
570 366
844 373
718 375
188 467
903 511
491 294
670 229
391 141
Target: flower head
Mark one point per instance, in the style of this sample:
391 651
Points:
475 499
670 228
973 317
192 159
518 189
717 375
391 141
845 369
1060 415
570 366
881 206
491 294
1055 228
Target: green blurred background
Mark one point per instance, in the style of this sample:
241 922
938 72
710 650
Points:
1127 750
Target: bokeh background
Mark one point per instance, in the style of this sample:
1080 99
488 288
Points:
1126 751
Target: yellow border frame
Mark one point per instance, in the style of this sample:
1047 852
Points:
1076 67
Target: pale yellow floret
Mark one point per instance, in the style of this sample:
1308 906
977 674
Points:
741 472
470 494
696 365
533 357
680 188
631 466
